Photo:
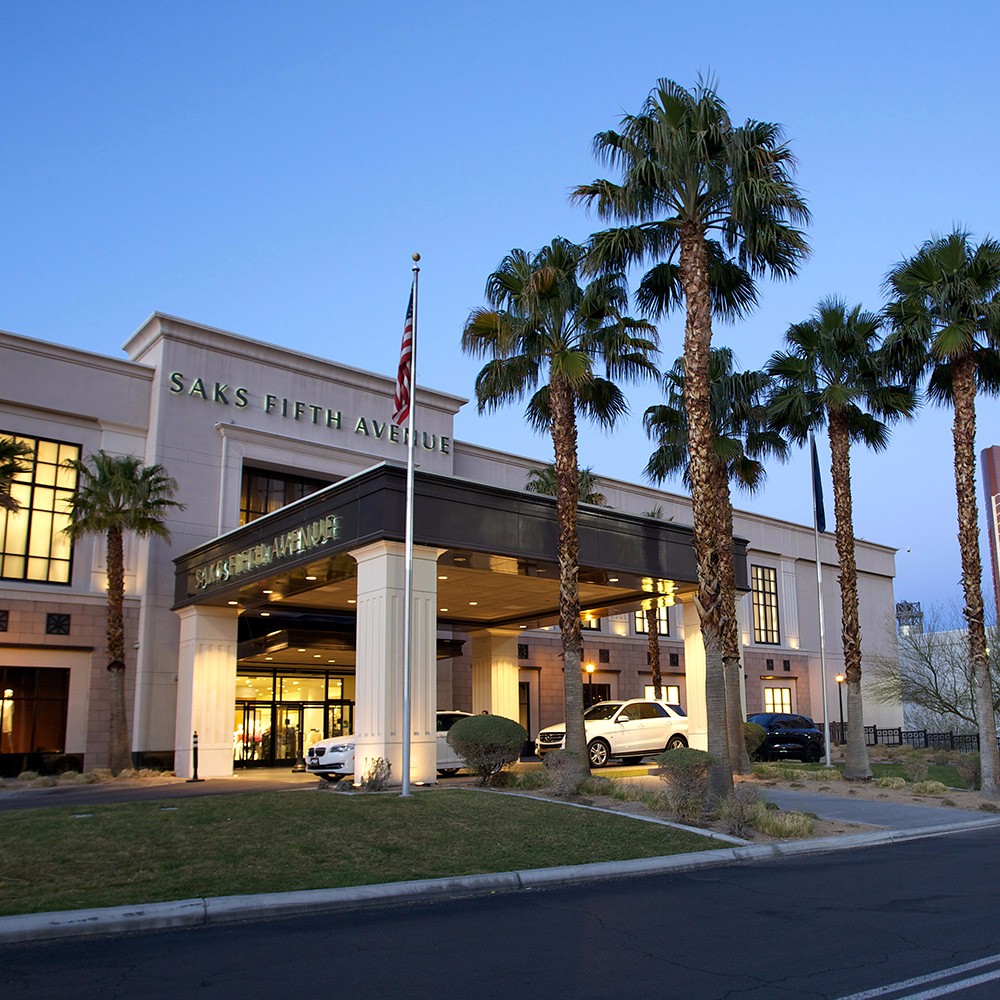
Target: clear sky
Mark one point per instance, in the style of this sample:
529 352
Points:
268 168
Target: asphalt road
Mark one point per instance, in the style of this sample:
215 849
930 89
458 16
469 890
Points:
831 926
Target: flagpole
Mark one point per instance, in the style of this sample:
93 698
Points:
408 589
819 515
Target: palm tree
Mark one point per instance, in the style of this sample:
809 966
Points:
831 375
742 437
689 173
15 459
544 481
945 314
116 494
545 335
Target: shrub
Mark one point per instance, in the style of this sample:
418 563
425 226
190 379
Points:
740 808
930 788
101 774
890 782
563 769
968 766
376 777
914 763
27 776
774 823
685 771
766 772
753 736
46 781
486 743
526 781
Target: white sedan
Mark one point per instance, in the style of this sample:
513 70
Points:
334 757
626 730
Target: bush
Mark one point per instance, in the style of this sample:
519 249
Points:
376 777
27 776
685 771
773 823
896 783
486 743
740 808
753 736
914 763
930 788
968 766
766 772
563 768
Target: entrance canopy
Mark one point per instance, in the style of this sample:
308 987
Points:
498 554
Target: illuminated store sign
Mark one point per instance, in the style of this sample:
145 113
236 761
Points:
283 546
241 397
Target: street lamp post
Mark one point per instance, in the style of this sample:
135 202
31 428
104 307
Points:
840 678
589 667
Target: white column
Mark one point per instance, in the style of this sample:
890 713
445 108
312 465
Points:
378 713
694 672
495 672
206 691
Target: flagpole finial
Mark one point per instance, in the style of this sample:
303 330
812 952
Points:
415 256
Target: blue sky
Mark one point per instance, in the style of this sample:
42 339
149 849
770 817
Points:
268 168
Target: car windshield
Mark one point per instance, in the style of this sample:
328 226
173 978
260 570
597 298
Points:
602 710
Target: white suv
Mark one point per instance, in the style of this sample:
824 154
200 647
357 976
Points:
334 757
625 730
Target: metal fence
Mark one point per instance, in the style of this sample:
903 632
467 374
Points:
919 738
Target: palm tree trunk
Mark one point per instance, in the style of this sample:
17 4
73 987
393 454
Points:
732 667
857 767
653 634
119 756
563 430
964 437
704 495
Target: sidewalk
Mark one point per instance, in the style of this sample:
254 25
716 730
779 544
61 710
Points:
899 822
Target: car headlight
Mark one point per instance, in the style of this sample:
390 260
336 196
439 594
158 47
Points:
341 747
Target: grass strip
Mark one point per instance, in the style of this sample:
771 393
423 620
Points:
145 852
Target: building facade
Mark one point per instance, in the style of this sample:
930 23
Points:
273 617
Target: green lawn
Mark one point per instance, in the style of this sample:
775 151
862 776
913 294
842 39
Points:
138 852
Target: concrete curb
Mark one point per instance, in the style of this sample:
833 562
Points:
35 927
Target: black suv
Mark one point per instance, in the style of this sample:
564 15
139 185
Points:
788 736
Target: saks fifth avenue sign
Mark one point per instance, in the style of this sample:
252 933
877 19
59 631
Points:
310 536
282 407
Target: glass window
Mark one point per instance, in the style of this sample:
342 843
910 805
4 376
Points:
34 545
764 586
671 693
589 622
662 622
33 703
263 492
777 699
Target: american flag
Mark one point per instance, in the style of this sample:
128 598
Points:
401 409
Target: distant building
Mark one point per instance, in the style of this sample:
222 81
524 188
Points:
275 615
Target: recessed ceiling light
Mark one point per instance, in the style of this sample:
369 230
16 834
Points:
442 578
265 614
302 649
331 661
612 579
267 591
472 604
268 657
316 656
442 609
351 600
232 603
522 626
310 578
460 559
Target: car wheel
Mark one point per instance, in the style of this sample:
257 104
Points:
676 742
332 778
599 752
447 772
812 753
